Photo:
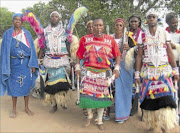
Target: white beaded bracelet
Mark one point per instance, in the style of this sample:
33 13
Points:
176 69
136 73
117 67
77 67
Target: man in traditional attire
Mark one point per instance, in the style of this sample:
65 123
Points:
19 64
56 62
174 36
98 49
157 92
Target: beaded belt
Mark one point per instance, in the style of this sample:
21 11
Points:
55 56
152 66
96 75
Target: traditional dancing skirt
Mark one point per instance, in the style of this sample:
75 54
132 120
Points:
157 96
94 92
57 86
56 81
157 87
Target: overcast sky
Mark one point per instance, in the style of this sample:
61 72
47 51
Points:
18 5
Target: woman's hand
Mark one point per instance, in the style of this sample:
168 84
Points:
33 70
126 46
116 73
137 81
78 73
173 45
176 77
40 61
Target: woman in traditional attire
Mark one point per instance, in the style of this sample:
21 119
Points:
19 63
123 84
157 92
98 49
89 27
56 62
137 37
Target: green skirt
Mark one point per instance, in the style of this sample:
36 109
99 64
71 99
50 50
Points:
93 102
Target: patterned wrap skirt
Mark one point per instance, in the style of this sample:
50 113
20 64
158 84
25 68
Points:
94 89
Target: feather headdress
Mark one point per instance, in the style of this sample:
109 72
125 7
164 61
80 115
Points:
36 25
75 17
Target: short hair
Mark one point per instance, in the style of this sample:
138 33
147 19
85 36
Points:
170 16
135 16
97 19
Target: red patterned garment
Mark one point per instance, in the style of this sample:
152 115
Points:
98 51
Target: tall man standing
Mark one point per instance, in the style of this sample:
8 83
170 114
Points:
56 62
98 49
157 69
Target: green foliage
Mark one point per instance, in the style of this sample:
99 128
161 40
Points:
108 10
174 5
5 20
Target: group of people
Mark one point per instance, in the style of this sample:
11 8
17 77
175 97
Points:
99 59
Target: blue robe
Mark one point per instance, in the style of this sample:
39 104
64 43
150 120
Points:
123 93
16 63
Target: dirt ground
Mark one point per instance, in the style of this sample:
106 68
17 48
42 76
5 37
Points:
70 120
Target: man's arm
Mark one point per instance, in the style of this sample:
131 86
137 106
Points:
171 55
79 54
118 59
68 47
41 53
139 59
172 61
138 65
116 53
117 67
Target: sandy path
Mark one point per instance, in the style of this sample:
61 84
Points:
70 120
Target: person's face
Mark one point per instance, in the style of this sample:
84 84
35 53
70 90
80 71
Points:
152 20
173 23
134 23
118 27
54 19
90 28
98 27
17 22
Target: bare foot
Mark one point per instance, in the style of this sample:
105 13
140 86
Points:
164 130
101 127
12 114
53 110
64 107
88 122
29 112
156 130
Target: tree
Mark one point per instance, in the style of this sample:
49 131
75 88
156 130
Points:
5 20
174 5
108 10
